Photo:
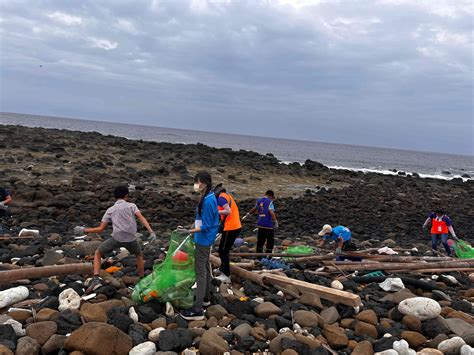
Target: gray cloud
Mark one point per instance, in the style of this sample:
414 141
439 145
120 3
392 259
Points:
392 73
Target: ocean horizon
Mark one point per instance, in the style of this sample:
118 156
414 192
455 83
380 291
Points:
334 155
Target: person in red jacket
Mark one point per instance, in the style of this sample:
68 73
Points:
440 226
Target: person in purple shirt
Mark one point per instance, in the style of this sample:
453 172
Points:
267 221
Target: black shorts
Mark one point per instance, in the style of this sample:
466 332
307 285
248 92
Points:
111 244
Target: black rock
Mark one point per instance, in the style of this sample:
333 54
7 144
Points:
120 320
181 322
316 331
236 322
237 307
397 316
146 314
461 305
138 333
51 302
108 291
282 322
248 317
68 322
258 346
76 286
251 289
245 343
320 351
7 334
384 344
228 337
175 340
432 327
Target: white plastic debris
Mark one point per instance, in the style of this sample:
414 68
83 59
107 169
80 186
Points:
387 251
259 300
13 295
169 310
133 314
284 330
392 284
69 299
280 293
29 233
337 285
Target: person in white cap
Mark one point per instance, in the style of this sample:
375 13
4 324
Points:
340 235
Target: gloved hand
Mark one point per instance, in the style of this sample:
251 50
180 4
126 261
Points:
338 251
275 226
424 227
152 237
3 206
79 230
455 238
183 231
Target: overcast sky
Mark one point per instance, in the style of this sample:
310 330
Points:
392 73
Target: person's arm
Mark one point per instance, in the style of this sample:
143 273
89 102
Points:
7 200
322 242
252 211
225 211
451 230
98 229
428 220
272 213
144 222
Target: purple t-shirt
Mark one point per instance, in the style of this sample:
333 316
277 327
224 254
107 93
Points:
221 201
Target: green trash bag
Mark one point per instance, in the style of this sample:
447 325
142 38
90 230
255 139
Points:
463 250
299 249
171 280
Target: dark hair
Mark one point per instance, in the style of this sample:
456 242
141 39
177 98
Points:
205 178
121 191
270 193
439 210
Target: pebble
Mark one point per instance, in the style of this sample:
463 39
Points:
306 318
146 348
267 309
451 345
69 299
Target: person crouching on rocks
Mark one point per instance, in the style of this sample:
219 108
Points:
267 222
122 216
340 235
230 227
440 226
205 230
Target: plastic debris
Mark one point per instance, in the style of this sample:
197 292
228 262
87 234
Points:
392 284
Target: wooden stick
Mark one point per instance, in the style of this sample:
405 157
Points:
327 293
403 266
244 274
44 271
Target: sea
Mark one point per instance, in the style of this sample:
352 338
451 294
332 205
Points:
336 156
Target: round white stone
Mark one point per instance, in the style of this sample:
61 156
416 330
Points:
146 348
421 307
451 345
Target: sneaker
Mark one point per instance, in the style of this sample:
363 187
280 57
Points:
216 271
206 303
223 278
94 284
192 314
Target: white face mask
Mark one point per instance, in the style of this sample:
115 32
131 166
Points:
196 187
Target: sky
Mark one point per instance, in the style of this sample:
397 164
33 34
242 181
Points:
389 73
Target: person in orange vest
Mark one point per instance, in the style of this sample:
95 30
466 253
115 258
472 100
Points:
440 226
230 228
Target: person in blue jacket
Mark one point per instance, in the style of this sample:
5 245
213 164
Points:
340 235
205 231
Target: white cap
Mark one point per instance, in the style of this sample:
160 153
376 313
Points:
327 229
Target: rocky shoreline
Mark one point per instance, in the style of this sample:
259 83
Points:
60 179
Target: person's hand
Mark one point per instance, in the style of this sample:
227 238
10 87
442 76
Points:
3 206
424 227
183 231
79 230
455 238
275 226
338 251
152 237
246 216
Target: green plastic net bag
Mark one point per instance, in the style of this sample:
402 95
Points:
463 250
299 249
171 280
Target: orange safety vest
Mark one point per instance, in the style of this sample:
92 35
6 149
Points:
438 226
232 222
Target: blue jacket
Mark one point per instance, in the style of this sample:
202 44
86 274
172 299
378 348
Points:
210 221
340 231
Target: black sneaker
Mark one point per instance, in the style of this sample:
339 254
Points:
192 314
95 283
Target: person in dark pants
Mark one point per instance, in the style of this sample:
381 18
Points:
267 222
440 226
230 227
205 231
